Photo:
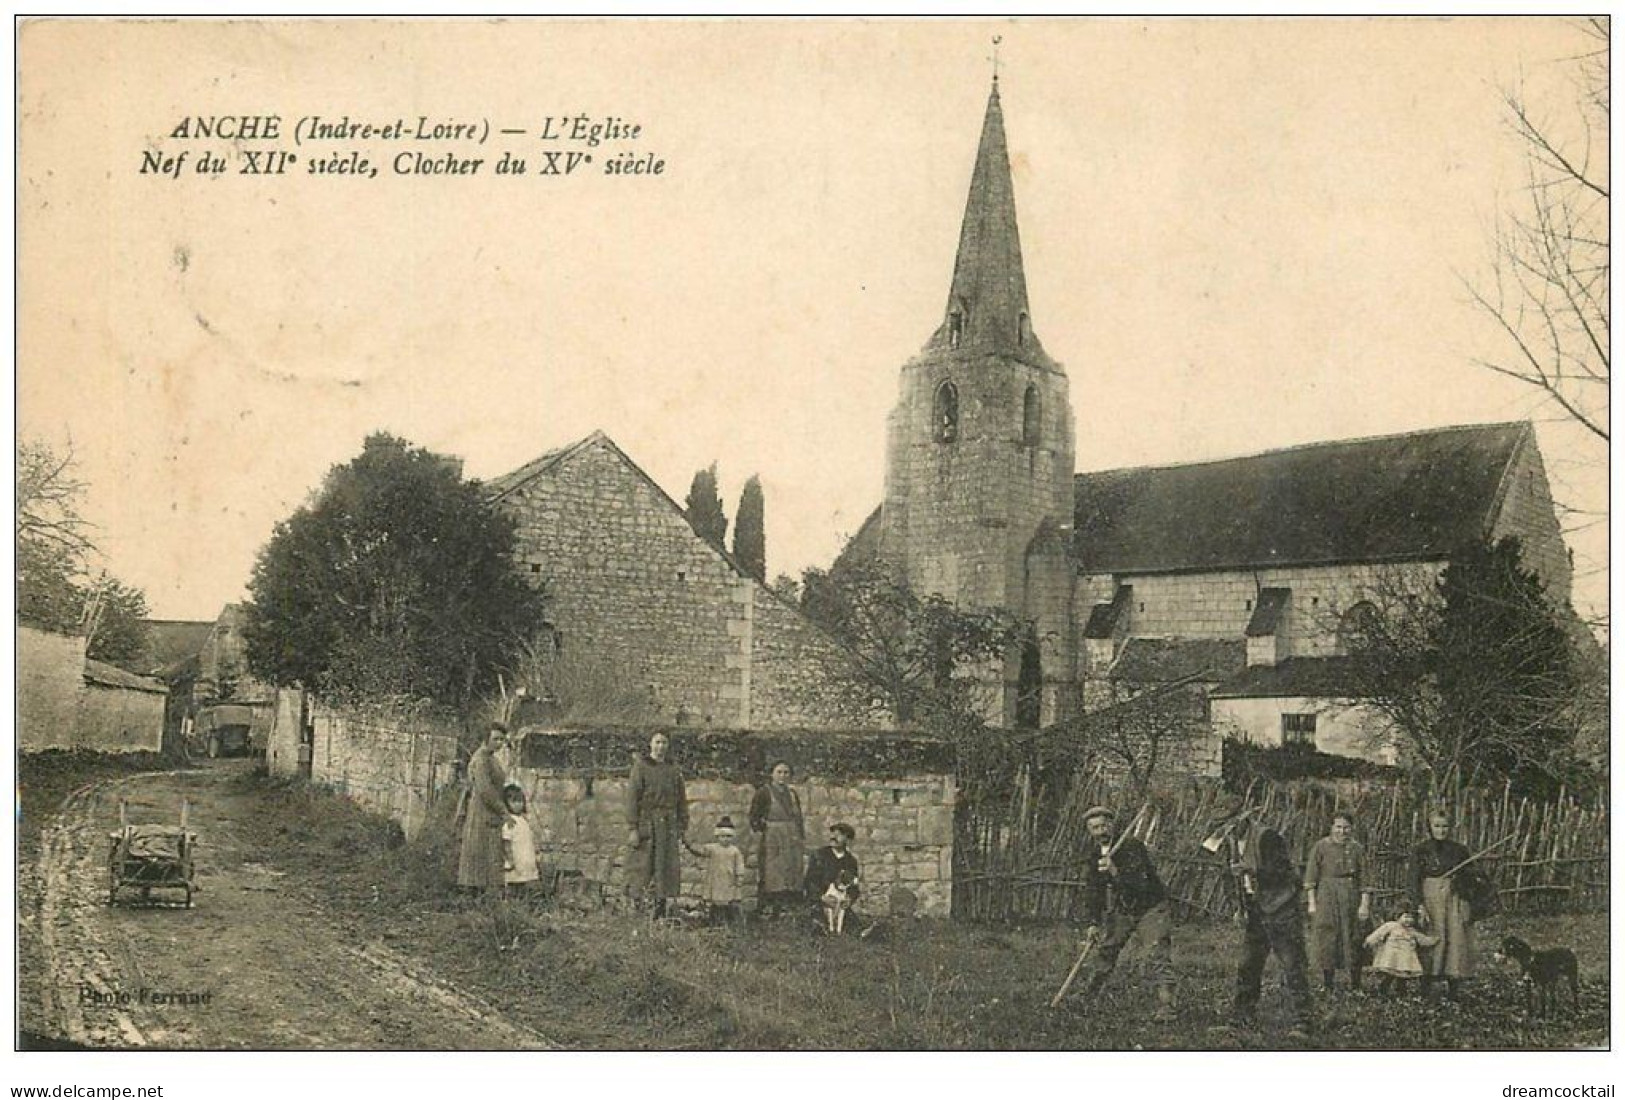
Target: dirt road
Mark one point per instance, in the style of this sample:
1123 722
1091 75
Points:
255 963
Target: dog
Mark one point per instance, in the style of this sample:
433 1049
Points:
837 900
1542 971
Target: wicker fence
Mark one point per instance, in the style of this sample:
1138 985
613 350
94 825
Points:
1020 841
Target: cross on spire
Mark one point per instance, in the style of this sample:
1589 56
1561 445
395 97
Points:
996 40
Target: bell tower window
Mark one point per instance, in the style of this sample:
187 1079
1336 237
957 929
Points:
958 322
945 413
1030 410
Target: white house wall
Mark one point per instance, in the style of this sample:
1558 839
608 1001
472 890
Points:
1342 727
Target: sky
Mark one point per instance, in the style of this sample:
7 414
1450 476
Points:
1238 235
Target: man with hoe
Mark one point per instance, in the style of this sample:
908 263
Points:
1122 894
1268 890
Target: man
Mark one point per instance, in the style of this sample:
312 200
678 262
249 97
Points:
1122 893
1267 889
833 865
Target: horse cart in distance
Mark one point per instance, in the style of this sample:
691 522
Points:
150 857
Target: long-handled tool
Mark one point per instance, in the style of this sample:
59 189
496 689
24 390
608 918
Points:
1092 937
1476 856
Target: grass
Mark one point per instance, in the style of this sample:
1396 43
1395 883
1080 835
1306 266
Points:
608 980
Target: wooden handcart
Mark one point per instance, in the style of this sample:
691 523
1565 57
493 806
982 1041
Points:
150 857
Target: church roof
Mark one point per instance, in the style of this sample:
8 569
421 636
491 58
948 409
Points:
987 301
1417 496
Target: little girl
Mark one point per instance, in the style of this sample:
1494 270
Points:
1394 945
518 845
724 872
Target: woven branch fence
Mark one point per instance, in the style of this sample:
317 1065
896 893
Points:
1021 843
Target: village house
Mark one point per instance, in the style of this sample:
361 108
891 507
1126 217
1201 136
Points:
658 609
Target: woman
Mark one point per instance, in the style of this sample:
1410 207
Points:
1334 880
1441 909
479 856
775 814
657 818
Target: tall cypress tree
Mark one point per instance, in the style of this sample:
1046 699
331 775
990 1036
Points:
750 534
704 508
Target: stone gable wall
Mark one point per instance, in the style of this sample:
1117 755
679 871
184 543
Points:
1528 514
630 583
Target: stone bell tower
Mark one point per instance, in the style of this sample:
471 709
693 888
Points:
979 452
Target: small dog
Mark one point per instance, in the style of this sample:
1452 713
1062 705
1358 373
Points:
1542 971
837 900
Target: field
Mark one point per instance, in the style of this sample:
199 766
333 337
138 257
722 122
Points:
607 980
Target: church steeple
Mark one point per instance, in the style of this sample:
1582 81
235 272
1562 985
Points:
987 303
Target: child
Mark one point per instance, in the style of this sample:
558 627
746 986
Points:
724 871
1394 945
519 871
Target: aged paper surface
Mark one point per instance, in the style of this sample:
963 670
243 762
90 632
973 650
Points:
244 246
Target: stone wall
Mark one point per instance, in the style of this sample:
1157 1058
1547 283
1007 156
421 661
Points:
896 791
116 719
789 661
1219 604
50 680
1527 514
632 585
282 741
391 763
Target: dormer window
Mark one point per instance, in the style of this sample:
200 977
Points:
1030 410
945 413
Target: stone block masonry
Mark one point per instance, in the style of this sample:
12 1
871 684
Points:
896 791
632 586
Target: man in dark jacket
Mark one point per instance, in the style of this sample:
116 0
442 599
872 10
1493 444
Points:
834 865
1266 889
1121 895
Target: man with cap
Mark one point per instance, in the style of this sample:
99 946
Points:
1267 888
1122 894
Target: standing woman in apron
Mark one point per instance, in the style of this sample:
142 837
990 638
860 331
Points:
775 813
1443 912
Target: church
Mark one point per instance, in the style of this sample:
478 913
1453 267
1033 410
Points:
1243 576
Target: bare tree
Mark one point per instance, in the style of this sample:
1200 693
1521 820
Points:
48 492
1548 290
1139 731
